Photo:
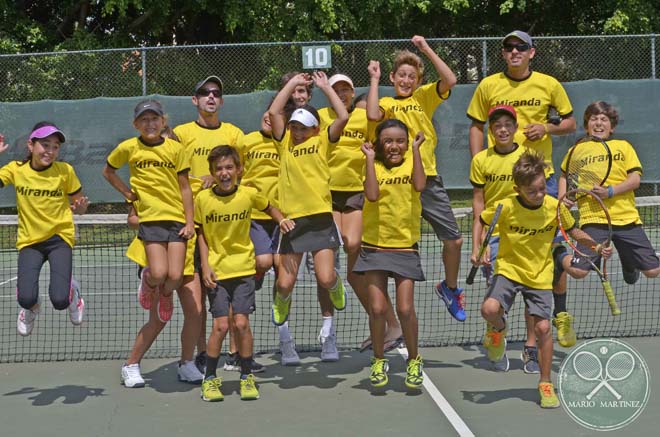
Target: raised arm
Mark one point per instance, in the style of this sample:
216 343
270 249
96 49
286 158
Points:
418 174
447 77
3 146
276 111
371 188
374 112
338 124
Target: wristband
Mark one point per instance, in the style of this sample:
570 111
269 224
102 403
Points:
610 192
598 248
283 220
545 128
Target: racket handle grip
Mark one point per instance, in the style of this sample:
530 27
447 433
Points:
471 275
611 299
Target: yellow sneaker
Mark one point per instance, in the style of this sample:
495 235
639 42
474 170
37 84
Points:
414 375
211 390
280 310
495 342
338 295
549 398
565 333
249 390
379 368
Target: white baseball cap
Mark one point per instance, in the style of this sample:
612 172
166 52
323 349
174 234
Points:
304 117
340 78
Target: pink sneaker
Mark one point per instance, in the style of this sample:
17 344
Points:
165 307
145 291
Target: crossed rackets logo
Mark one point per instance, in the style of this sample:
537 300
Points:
589 367
603 384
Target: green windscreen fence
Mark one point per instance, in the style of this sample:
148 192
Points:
95 126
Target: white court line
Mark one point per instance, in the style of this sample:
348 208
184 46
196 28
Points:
9 280
442 403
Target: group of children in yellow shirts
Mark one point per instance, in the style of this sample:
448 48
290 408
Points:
220 218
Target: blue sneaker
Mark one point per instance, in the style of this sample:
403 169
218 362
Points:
453 299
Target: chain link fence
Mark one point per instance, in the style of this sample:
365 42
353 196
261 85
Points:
250 67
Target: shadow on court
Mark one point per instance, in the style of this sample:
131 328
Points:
70 394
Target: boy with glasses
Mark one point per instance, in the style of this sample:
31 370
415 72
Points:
534 96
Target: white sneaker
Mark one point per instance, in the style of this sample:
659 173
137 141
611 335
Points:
77 305
188 372
329 348
289 355
130 376
25 321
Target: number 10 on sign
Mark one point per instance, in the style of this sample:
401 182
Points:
316 57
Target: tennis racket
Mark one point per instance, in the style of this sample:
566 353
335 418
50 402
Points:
588 164
484 244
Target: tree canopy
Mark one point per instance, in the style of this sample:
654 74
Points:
50 25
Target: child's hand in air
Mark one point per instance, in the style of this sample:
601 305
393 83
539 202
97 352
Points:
320 80
420 42
368 150
374 69
419 139
3 146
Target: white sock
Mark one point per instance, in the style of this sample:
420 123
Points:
285 335
326 329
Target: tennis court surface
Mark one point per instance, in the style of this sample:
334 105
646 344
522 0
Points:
74 373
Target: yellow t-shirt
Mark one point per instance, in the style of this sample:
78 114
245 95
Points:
198 142
346 159
154 171
42 200
624 161
262 168
304 182
531 97
526 235
493 171
416 111
394 219
225 221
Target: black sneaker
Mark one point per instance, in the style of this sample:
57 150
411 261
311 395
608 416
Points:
631 276
257 368
232 364
200 362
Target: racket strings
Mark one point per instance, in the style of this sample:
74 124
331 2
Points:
619 367
587 366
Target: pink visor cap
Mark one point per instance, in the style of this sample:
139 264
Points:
46 131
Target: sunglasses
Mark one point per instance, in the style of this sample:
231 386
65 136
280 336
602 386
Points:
523 47
204 92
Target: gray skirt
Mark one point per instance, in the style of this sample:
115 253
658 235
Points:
401 262
312 233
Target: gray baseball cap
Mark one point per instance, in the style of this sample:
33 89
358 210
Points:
215 79
522 36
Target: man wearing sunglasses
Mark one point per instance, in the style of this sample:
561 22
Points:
203 134
534 96
199 137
